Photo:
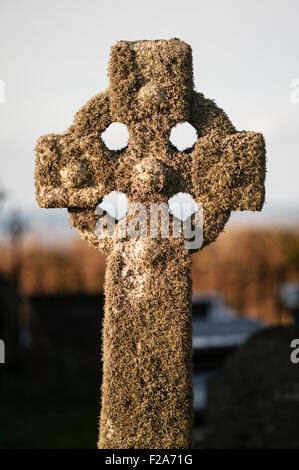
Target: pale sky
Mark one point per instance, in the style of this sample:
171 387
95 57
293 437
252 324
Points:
54 56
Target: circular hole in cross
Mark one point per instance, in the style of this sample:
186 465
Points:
115 204
116 136
182 206
183 136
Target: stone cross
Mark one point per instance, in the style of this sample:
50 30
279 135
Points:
147 397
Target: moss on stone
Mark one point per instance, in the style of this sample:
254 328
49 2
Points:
147 348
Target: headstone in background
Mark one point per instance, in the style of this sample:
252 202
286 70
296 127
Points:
253 402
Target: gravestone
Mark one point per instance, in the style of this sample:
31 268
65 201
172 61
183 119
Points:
253 402
147 335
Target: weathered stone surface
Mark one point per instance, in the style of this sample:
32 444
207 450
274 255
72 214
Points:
225 170
147 349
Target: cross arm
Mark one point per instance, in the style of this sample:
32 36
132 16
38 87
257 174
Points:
244 160
75 169
230 170
71 172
